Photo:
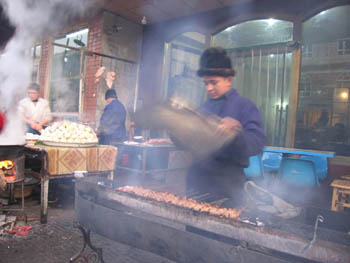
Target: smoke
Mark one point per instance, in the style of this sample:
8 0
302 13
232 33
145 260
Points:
33 20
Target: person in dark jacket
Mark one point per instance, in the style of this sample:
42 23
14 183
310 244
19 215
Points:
112 123
221 173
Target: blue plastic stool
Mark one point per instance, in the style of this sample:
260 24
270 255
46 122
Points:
321 165
298 172
271 161
255 168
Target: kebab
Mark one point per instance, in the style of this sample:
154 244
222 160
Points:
183 202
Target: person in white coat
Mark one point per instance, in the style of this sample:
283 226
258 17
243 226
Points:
35 111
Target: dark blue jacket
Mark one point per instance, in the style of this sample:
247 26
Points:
112 123
221 174
251 140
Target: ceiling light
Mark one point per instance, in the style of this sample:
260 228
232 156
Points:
271 21
344 95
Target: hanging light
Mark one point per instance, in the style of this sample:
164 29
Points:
344 95
271 21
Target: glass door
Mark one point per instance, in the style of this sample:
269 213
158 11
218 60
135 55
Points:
262 60
181 63
263 75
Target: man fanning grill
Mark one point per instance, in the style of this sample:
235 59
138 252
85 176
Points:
222 172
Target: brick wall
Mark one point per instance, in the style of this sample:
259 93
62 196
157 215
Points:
94 62
92 65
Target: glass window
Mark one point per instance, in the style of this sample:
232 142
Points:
36 52
262 70
77 39
36 55
344 47
305 86
182 62
307 50
67 66
257 32
65 80
324 109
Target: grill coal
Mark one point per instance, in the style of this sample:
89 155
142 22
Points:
14 173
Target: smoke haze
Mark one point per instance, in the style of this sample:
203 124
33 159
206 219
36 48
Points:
34 20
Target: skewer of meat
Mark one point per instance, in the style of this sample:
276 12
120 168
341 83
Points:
183 202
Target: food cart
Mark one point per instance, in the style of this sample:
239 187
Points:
60 158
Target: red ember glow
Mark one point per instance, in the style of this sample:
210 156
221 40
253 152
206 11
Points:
7 164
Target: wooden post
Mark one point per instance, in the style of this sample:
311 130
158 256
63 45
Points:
44 199
294 86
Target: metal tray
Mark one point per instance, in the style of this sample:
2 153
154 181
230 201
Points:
189 129
67 144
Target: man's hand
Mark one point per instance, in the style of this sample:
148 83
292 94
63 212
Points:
36 126
228 126
110 78
99 73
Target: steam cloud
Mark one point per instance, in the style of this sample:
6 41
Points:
33 19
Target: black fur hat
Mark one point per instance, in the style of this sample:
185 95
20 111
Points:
34 86
111 93
215 62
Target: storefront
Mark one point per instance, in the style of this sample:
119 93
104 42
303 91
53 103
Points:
291 60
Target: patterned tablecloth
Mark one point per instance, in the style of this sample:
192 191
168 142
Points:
64 160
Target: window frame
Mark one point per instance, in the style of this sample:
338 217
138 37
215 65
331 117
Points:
80 76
